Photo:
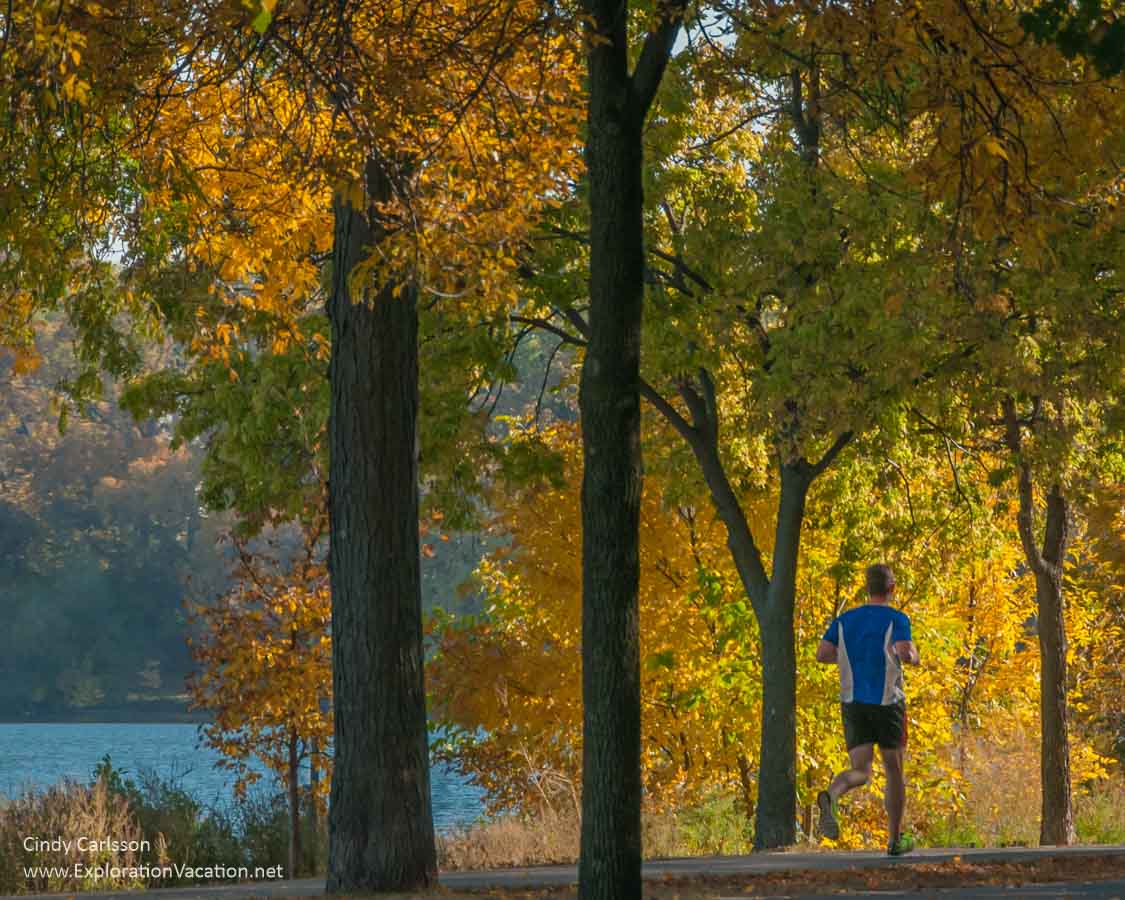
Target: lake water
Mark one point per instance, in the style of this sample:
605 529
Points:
44 754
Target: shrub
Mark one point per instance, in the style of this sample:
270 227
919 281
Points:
717 826
179 831
70 810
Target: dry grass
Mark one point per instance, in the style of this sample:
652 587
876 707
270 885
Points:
1099 815
1001 783
1003 796
553 838
1002 809
1003 800
67 810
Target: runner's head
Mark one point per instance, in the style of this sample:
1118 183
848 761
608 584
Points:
880 581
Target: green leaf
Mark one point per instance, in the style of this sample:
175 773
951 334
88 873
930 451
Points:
262 20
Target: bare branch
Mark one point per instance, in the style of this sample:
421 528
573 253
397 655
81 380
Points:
546 325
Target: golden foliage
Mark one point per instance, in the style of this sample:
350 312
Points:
264 659
507 685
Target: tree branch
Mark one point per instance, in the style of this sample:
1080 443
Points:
666 409
1013 439
654 57
830 455
575 318
565 336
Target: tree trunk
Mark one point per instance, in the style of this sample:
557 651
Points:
609 399
294 805
746 782
775 823
1057 821
773 598
774 820
314 804
380 821
609 866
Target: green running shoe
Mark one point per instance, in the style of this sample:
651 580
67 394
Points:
901 847
828 826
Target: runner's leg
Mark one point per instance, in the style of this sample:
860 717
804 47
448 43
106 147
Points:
895 797
858 775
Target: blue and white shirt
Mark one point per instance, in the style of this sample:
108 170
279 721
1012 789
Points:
870 672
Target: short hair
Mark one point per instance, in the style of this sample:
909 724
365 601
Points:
880 579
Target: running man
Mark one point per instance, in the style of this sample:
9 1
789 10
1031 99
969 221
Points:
869 644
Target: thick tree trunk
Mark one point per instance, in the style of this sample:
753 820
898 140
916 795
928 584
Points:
609 399
774 819
775 823
294 805
380 822
1057 821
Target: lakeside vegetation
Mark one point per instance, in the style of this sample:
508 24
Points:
253 830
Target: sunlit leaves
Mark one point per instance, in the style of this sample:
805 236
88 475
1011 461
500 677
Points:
263 657
507 683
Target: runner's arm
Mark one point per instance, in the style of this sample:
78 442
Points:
826 652
906 651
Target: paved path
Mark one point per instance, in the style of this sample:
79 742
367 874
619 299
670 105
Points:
1091 890
550 876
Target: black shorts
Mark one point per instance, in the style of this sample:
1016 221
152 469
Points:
871 723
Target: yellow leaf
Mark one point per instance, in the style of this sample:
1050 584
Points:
995 148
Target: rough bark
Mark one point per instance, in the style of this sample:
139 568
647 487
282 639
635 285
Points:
609 400
380 822
610 860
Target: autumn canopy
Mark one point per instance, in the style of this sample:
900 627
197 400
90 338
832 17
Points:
683 312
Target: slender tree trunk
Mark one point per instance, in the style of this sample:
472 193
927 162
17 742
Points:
380 822
314 804
772 596
609 399
1057 820
1056 824
294 805
775 822
746 782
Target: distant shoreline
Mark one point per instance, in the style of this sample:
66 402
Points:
106 721
108 716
